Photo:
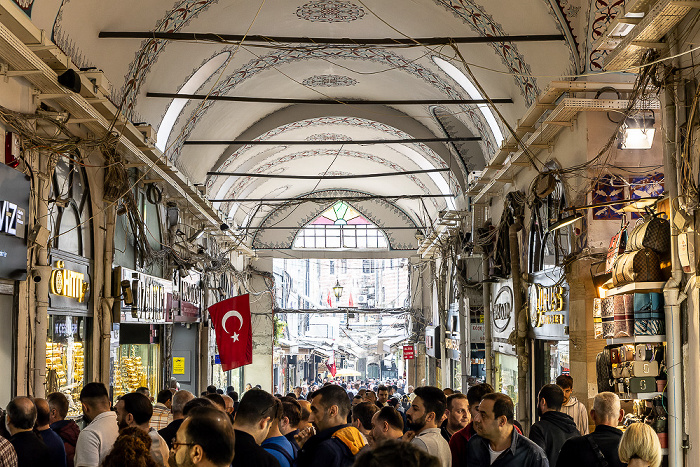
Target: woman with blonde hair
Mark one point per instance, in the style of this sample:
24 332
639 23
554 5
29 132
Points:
640 447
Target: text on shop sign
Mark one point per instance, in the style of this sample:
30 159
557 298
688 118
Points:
547 300
68 283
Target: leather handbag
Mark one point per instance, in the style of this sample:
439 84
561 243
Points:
637 266
643 369
627 353
644 352
615 355
654 233
648 303
618 243
645 384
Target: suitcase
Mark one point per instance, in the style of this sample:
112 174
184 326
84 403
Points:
654 233
644 384
637 266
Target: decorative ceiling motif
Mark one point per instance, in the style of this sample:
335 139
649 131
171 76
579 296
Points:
329 81
379 55
564 12
355 122
602 12
482 23
26 6
328 137
330 11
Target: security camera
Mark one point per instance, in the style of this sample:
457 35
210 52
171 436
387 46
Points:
36 275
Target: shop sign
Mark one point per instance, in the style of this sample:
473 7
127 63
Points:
67 283
452 347
502 309
187 298
548 304
178 365
408 352
14 203
150 293
477 333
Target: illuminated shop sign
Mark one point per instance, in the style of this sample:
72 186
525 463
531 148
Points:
549 305
11 219
546 300
67 283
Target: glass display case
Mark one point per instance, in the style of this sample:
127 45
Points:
137 365
65 359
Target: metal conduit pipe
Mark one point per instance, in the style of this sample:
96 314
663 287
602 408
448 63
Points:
488 326
673 296
520 317
107 298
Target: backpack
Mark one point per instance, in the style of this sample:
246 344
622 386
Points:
280 449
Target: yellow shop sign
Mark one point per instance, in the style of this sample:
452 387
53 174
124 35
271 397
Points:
68 283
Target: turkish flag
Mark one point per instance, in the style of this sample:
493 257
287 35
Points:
351 303
330 364
329 299
234 331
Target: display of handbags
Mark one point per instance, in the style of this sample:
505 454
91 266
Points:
644 384
637 266
653 233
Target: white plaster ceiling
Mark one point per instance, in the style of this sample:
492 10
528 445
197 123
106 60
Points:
136 66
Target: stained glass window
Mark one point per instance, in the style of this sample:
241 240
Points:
340 227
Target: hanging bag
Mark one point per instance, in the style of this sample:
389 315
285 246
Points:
637 266
618 243
654 233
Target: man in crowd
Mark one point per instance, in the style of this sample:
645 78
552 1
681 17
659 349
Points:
335 443
178 402
135 410
305 414
68 430
362 417
585 451
19 420
96 439
145 391
289 424
276 443
456 416
370 396
297 392
205 439
382 396
572 406
357 400
218 400
255 414
554 427
387 423
162 415
228 404
423 417
497 442
57 451
460 439
8 456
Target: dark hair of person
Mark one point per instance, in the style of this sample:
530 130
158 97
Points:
391 416
291 394
565 381
475 393
291 409
452 397
94 393
393 402
211 389
502 406
60 402
217 400
278 412
553 395
382 388
138 406
164 396
212 430
395 453
434 400
364 412
196 402
255 405
132 448
357 396
143 390
310 395
22 415
233 395
220 392
334 395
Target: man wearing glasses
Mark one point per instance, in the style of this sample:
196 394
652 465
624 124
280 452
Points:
204 439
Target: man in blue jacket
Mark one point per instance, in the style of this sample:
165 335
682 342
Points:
497 443
335 443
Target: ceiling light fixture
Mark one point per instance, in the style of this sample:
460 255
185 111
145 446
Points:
638 131
563 222
197 235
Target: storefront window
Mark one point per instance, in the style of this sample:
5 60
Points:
65 359
137 365
223 379
507 377
558 359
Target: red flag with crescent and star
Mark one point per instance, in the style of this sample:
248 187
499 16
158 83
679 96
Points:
234 332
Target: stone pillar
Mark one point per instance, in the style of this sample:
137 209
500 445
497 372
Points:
261 290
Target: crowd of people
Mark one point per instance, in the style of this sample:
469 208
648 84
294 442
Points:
332 424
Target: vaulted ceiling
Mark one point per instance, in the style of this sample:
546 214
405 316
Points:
260 68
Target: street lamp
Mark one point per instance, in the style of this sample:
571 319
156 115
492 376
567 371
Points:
337 290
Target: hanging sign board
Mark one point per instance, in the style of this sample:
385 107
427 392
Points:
69 282
432 341
150 294
14 205
408 352
502 315
548 305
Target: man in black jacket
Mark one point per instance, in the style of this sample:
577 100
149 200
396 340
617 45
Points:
585 451
20 418
335 443
497 443
252 424
554 427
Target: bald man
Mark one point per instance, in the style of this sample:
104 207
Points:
20 418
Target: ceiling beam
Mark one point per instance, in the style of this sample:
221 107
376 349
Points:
252 39
268 142
324 199
327 177
282 100
295 227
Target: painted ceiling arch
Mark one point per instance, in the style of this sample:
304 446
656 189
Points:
380 212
